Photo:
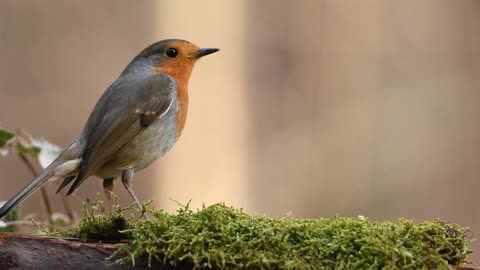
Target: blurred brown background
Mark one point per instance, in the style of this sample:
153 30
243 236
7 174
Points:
315 107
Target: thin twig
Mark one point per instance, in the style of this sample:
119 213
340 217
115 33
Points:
68 210
43 190
23 135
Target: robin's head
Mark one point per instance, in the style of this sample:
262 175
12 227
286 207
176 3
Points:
173 56
171 51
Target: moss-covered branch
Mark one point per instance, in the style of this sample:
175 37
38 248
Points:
221 237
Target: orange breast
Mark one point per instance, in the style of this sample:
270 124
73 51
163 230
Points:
180 71
182 108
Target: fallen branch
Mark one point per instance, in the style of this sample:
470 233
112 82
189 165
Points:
21 251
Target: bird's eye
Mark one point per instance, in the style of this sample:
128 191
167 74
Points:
171 52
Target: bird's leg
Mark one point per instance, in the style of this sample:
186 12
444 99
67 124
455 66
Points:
108 188
127 180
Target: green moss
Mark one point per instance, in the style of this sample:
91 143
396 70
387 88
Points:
99 224
221 237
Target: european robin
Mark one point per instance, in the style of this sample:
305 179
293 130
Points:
136 121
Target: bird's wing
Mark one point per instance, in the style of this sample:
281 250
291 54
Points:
127 108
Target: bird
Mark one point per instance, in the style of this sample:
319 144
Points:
136 121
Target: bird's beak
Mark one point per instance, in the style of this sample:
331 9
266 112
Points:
205 51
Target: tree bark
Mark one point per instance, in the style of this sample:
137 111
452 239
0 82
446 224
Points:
21 251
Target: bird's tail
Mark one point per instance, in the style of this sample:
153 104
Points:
31 187
58 169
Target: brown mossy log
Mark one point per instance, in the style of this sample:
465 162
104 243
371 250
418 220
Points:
21 251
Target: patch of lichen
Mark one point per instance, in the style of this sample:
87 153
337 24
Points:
221 237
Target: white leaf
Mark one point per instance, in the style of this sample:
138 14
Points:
48 153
